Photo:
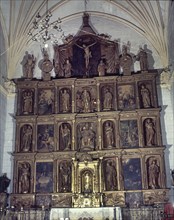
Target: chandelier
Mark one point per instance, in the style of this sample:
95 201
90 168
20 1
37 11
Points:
44 31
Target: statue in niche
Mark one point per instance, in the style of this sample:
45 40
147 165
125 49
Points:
145 95
142 57
149 132
24 178
65 134
110 176
126 61
65 176
26 138
87 137
67 68
107 102
65 99
27 107
86 101
87 182
87 54
4 183
108 134
28 63
101 68
153 174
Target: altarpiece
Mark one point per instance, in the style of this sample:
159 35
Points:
91 136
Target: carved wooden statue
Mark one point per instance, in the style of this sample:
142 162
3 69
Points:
110 176
126 62
26 138
142 57
27 101
24 177
145 96
149 132
28 64
153 174
65 134
108 137
108 98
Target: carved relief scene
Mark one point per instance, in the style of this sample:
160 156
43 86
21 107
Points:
86 136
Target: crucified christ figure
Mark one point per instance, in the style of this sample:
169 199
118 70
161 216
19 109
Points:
87 53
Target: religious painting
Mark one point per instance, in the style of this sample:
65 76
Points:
145 94
132 173
65 100
108 134
134 199
44 177
26 138
126 97
110 174
64 176
45 138
107 97
86 136
27 101
65 137
86 100
129 134
46 101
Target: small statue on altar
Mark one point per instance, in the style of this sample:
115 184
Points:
101 68
126 61
28 63
142 58
67 68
